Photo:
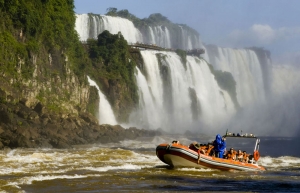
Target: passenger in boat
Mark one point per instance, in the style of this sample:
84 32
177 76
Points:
203 148
210 151
219 146
240 156
245 157
231 155
194 146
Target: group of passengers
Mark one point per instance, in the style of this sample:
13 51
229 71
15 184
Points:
237 156
218 149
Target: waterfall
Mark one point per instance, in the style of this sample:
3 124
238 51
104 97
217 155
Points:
91 25
106 115
179 97
245 67
160 36
284 80
268 94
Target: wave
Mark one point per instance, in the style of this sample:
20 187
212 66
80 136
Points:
280 162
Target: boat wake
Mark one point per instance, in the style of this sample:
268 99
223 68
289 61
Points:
283 162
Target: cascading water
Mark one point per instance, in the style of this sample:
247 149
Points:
176 96
179 97
106 115
91 25
268 94
159 36
245 68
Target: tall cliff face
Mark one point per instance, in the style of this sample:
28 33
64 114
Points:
43 90
37 59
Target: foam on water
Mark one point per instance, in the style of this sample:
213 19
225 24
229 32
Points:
29 180
284 161
121 167
107 165
196 169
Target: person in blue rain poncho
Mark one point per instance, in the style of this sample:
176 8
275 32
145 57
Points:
219 146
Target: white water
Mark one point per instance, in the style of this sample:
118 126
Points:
171 108
90 26
160 36
106 115
245 68
274 111
260 95
285 79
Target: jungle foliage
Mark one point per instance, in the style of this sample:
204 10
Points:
38 27
111 60
155 19
182 55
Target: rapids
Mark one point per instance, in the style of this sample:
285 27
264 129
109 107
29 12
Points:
132 166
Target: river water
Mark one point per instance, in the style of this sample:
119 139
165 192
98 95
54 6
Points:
132 166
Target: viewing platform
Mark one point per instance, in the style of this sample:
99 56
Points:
147 46
138 46
195 52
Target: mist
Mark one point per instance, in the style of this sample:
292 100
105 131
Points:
278 116
178 97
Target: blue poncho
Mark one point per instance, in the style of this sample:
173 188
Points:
219 144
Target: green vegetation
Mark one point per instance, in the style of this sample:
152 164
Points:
182 55
112 63
93 103
155 19
195 104
36 28
226 81
125 14
165 73
39 36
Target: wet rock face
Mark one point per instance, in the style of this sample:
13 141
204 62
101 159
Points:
21 126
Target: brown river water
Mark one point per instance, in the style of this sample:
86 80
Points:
132 166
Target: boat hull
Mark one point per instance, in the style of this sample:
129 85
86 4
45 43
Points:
178 155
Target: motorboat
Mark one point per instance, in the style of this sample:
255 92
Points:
197 155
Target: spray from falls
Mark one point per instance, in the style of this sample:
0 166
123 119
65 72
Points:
267 94
178 97
244 67
106 115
